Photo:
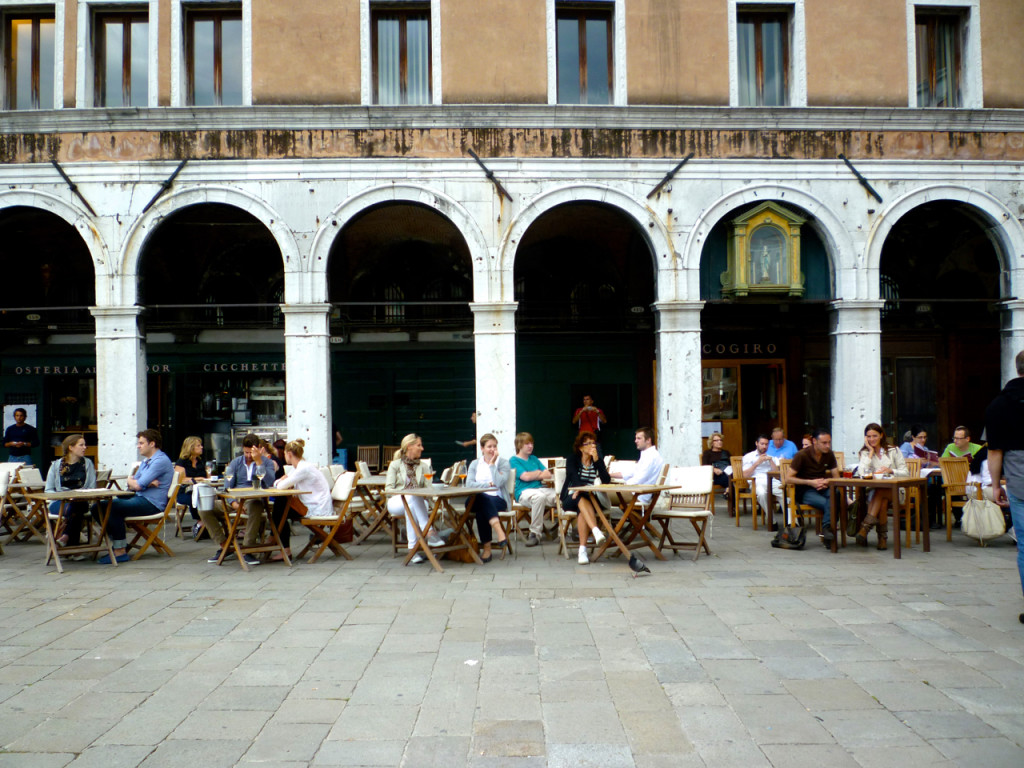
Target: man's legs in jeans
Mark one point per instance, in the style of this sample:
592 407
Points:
820 500
1017 515
133 506
254 525
539 500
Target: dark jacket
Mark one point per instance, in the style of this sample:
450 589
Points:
1004 418
573 465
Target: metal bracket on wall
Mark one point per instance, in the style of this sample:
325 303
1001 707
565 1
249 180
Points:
863 182
73 187
668 176
490 175
164 186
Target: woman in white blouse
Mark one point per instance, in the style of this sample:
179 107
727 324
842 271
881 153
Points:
305 476
489 471
878 458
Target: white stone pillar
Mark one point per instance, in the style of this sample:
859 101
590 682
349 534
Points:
678 410
1011 340
308 378
494 346
120 384
856 372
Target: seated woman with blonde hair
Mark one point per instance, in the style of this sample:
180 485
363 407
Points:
406 471
878 458
305 477
489 471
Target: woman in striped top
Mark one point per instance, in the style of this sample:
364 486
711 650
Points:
584 467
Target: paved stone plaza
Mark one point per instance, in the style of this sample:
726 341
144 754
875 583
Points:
751 657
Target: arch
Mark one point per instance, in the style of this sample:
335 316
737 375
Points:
838 245
365 199
646 221
1000 225
145 225
76 217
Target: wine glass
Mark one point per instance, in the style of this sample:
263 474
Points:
261 472
429 476
229 476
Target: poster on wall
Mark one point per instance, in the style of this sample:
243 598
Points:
30 414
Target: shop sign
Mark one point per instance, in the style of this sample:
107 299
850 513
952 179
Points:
54 370
741 349
90 370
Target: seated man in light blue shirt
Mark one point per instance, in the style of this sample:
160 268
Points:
151 482
648 467
779 447
530 488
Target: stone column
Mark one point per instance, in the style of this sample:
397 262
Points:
1011 340
494 346
679 381
308 378
120 384
856 372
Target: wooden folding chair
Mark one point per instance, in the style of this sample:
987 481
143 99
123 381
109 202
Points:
512 517
565 517
915 499
387 455
693 500
370 454
24 519
324 529
148 527
797 512
954 486
742 490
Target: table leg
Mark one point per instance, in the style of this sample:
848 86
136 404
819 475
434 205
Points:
275 532
927 523
613 532
52 533
839 512
233 516
421 536
896 509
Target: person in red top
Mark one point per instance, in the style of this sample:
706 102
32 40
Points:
589 418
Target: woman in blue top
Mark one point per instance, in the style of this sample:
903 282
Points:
489 471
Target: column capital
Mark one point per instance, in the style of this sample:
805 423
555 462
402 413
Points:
678 316
853 305
314 308
494 316
117 322
1012 305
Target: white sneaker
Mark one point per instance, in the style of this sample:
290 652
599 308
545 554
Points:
417 559
435 541
598 536
583 559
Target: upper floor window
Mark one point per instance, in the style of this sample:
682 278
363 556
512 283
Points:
213 56
121 46
762 53
401 54
29 60
585 53
938 45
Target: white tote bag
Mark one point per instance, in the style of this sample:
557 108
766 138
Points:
982 520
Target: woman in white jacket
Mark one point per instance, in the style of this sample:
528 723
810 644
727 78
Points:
878 458
73 472
489 471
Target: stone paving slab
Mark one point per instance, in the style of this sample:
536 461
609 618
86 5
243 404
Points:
750 657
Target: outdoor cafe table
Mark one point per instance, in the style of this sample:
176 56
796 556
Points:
234 517
442 496
838 486
375 511
640 521
40 502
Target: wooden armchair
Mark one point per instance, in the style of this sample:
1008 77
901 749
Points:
742 490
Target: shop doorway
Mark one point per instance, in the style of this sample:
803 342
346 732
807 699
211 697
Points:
741 399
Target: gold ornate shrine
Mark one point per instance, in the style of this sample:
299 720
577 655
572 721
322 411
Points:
764 253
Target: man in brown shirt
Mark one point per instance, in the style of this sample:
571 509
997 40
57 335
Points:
810 471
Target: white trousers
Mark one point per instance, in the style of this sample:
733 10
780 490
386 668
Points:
761 489
538 499
418 507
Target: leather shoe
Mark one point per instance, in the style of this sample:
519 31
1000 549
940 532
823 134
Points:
487 559
123 558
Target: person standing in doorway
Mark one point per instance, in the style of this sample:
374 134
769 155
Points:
589 417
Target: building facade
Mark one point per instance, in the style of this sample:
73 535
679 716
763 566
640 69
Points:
379 216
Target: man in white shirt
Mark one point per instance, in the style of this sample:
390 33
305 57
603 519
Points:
757 464
648 467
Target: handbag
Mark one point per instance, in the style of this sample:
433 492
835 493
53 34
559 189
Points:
790 537
982 520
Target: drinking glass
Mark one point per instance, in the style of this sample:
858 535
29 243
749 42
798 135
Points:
261 472
229 476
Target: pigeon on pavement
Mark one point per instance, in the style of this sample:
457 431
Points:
637 566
